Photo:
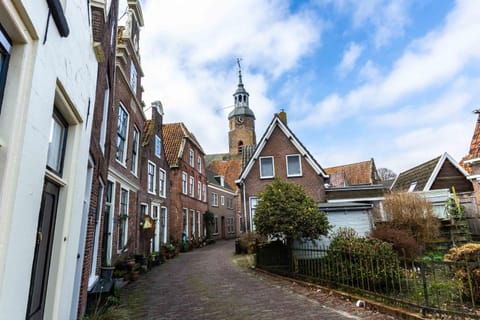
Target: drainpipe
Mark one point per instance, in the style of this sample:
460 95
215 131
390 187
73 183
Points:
244 205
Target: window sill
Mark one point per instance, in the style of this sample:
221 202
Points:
295 176
123 164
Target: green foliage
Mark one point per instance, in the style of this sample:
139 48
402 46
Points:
362 262
285 209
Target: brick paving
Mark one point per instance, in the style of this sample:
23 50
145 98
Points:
206 284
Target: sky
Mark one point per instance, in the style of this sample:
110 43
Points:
393 80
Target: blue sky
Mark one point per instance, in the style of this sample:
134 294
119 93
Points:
391 80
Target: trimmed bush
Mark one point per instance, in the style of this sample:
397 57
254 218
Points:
369 264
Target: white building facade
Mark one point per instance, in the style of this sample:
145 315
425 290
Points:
47 89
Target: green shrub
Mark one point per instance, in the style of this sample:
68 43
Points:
369 264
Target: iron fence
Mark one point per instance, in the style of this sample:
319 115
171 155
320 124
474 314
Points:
431 287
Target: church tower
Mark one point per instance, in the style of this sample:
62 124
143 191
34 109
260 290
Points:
241 120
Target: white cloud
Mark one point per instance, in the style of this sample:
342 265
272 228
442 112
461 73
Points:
386 18
189 50
427 64
349 59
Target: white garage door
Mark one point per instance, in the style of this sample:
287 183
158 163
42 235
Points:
358 220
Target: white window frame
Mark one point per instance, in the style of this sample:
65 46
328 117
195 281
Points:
198 224
191 186
135 147
214 199
184 183
192 158
299 164
192 223
262 175
185 221
222 200
133 77
253 201
125 221
199 190
199 164
122 161
204 192
162 184
158 146
164 224
151 180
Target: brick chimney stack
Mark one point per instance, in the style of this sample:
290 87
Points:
283 116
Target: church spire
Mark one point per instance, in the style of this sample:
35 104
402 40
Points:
241 97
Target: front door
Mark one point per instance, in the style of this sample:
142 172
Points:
43 251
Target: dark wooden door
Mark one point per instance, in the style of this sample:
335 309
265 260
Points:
43 251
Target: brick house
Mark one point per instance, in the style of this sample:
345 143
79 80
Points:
221 202
155 183
124 130
471 162
279 154
104 23
188 196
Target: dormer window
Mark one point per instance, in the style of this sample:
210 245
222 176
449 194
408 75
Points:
412 186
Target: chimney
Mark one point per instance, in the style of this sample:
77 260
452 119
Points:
158 105
283 116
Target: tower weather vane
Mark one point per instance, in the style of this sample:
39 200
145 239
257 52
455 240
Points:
239 70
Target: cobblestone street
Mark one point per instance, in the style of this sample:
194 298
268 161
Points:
206 284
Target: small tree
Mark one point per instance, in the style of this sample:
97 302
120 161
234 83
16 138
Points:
386 174
285 209
414 214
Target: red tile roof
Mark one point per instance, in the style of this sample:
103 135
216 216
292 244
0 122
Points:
353 174
230 169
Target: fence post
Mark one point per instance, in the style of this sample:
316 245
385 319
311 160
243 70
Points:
425 289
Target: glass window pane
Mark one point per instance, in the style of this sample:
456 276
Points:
293 163
56 147
266 167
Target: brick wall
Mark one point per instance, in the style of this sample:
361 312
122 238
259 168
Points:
101 30
279 146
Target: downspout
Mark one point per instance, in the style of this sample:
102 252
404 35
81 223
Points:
244 205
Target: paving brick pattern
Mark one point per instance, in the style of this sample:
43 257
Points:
205 284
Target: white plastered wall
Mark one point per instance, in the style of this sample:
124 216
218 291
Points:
63 69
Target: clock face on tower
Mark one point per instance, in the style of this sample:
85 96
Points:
239 120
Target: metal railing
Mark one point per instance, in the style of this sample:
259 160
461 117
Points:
432 287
